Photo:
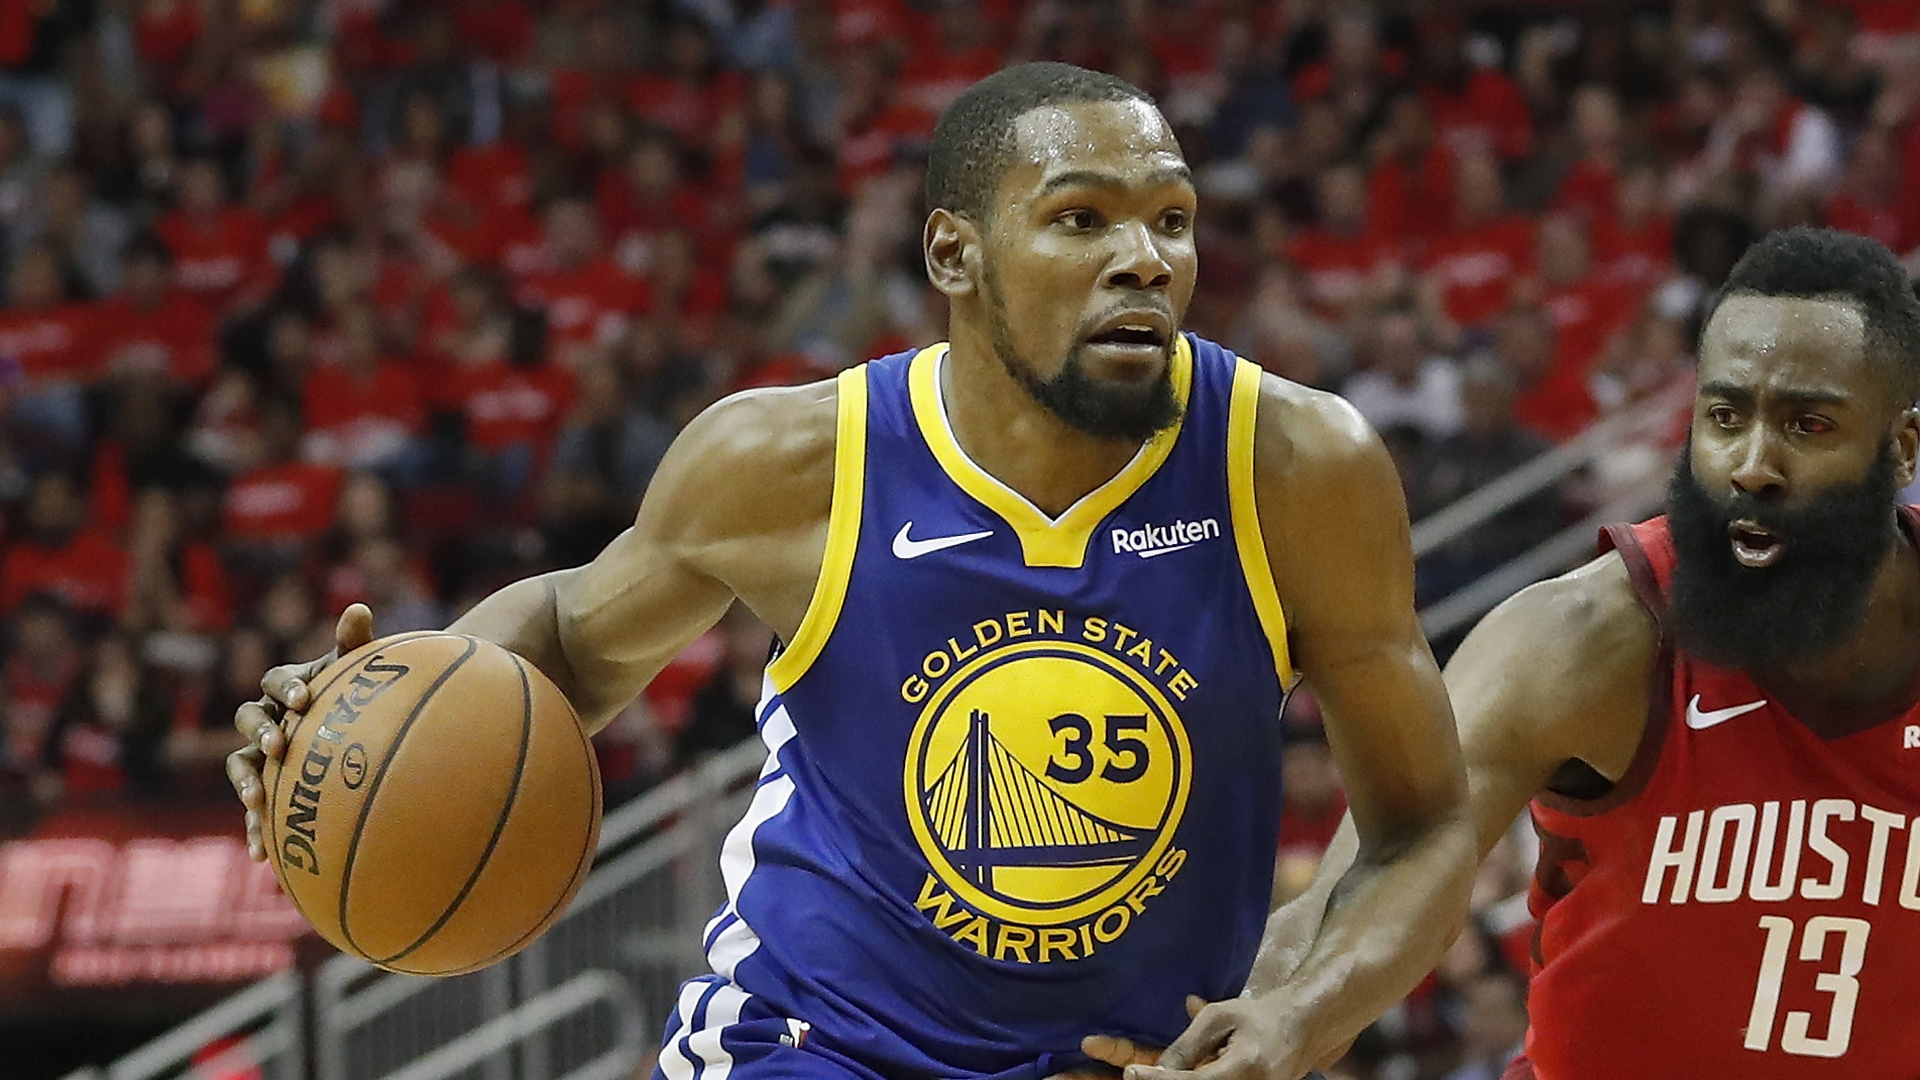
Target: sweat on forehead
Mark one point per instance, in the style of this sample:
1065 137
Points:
1781 339
1054 133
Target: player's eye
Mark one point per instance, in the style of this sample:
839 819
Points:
1174 222
1724 416
1810 425
1080 219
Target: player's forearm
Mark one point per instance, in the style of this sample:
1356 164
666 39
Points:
1294 926
524 617
1386 921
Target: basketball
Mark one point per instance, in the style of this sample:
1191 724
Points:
438 804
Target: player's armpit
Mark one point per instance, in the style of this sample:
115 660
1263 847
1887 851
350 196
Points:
738 507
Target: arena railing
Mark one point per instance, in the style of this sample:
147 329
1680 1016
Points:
1643 425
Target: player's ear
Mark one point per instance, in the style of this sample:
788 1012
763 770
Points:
1906 443
951 243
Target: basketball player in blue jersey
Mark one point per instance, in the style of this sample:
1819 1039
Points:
1040 591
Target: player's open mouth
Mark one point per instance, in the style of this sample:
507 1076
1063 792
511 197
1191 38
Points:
1136 336
1132 334
1754 545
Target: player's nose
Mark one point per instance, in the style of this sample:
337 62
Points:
1757 469
1138 262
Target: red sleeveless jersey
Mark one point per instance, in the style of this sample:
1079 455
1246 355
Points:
1745 904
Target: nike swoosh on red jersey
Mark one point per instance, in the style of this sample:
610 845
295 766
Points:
1701 720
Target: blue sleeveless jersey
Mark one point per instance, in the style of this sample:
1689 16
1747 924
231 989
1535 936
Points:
1024 779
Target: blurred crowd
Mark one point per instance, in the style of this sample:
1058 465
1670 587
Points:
316 301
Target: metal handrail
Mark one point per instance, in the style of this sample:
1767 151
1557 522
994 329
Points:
1481 505
277 998
536 1015
1545 559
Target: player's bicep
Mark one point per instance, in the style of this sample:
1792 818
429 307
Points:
705 532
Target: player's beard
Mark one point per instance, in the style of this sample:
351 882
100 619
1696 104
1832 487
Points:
1810 600
1105 410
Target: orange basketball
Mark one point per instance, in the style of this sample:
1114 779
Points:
437 807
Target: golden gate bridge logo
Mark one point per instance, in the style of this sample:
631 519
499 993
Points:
989 811
1044 779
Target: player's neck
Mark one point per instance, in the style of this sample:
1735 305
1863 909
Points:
1018 441
1881 657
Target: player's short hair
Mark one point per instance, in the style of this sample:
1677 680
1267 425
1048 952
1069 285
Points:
973 143
1827 264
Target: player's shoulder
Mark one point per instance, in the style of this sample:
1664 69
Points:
1304 436
754 460
775 429
1586 615
1573 654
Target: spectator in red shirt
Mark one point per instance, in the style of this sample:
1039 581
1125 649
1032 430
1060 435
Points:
1412 175
219 250
1312 803
587 297
43 334
273 509
59 555
1553 398
1485 248
108 731
152 328
958 53
1357 73
41 664
44 357
1474 107
1586 310
176 583
366 410
1346 261
647 197
1869 201
511 413
690 95
1588 188
1633 244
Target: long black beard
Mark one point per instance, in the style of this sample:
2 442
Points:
1118 411
1805 604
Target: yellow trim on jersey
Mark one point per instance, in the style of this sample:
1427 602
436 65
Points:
843 534
1044 541
1246 516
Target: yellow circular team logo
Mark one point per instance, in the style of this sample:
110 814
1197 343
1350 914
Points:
1044 780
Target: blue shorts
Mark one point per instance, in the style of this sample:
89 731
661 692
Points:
718 1031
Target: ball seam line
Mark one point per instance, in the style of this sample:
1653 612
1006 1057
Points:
373 789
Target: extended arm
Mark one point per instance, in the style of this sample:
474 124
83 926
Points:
707 531
738 507
1557 673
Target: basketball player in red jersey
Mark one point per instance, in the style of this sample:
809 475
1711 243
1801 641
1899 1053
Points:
1729 880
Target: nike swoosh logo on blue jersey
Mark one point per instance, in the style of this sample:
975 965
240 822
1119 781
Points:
1700 721
905 547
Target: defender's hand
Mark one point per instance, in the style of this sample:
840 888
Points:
284 691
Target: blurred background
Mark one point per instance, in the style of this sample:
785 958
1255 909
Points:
317 301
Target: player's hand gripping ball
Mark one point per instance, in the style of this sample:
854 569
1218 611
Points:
437 806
